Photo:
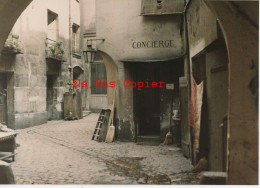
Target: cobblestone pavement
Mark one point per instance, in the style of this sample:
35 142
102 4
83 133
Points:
62 152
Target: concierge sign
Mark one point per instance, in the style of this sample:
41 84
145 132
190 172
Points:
152 44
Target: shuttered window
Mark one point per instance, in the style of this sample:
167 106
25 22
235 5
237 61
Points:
98 71
159 7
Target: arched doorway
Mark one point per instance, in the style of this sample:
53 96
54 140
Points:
9 13
239 22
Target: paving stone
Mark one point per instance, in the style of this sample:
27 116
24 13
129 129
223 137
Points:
62 152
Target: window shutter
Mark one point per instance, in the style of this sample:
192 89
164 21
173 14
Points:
160 7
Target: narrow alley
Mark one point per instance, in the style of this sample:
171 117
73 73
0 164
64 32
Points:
175 83
62 152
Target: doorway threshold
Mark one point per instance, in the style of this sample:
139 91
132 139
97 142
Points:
148 140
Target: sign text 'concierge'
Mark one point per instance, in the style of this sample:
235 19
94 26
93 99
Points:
153 44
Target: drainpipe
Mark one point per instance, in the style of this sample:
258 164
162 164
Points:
70 33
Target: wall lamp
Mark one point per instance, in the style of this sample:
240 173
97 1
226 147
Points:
90 52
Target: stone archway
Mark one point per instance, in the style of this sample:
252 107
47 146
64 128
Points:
9 13
112 74
239 22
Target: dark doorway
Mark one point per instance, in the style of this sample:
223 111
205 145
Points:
153 105
51 96
3 98
148 100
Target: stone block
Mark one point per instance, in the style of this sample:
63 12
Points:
21 94
40 106
21 80
33 81
42 93
32 107
21 107
213 178
6 173
21 66
18 121
41 80
10 119
124 131
34 68
30 119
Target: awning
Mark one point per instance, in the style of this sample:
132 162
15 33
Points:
153 60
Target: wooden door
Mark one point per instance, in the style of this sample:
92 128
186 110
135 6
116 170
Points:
147 101
185 127
218 133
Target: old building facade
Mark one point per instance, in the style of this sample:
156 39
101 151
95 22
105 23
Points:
135 45
35 79
188 46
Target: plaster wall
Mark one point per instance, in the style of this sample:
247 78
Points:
88 16
122 30
202 26
93 102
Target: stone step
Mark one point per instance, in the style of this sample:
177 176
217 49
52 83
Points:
213 178
6 173
86 113
152 139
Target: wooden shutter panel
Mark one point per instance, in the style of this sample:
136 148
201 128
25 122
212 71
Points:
150 7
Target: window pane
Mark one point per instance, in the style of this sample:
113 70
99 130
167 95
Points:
98 71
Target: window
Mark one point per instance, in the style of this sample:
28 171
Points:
52 28
98 71
75 38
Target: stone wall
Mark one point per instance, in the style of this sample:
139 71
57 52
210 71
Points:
31 68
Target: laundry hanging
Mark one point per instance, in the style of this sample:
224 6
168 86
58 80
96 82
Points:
195 110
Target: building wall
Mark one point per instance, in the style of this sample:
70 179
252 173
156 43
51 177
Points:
94 102
238 22
121 30
31 68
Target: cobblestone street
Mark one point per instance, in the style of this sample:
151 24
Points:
62 152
